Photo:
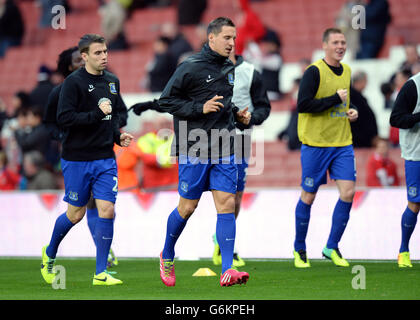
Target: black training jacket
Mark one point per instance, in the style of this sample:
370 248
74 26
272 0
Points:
196 80
88 134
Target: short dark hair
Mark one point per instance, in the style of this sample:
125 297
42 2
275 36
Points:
87 40
65 60
329 31
216 25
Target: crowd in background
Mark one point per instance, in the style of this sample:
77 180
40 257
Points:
29 158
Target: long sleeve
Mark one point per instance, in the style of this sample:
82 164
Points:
122 112
262 106
307 91
174 99
260 101
50 114
67 114
33 139
402 113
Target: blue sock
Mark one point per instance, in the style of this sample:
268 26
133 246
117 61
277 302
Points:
104 232
61 227
341 216
225 234
408 223
174 229
302 216
92 217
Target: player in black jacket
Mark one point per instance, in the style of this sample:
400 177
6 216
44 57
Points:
199 96
90 127
69 61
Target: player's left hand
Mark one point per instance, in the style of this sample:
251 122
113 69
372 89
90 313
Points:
352 114
125 139
243 116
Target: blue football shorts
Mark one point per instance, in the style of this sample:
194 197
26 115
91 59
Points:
197 176
412 179
242 171
339 162
81 178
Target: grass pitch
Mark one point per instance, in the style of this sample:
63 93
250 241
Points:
21 279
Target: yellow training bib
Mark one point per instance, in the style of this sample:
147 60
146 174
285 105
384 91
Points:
330 128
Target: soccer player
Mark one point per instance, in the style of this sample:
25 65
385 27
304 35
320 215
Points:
324 130
405 116
199 96
250 92
90 128
68 61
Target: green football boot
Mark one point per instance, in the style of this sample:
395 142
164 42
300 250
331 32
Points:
105 279
301 260
404 260
47 267
335 256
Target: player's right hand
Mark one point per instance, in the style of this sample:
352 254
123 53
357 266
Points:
343 94
105 106
213 105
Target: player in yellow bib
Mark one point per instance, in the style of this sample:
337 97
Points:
324 120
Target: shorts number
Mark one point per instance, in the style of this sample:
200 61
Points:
115 189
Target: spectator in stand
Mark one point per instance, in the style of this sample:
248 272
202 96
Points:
12 26
9 179
32 134
201 34
373 36
127 163
152 152
190 12
3 116
39 95
10 125
290 134
161 68
178 44
113 16
249 26
37 176
387 88
266 58
365 129
381 171
159 171
303 64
